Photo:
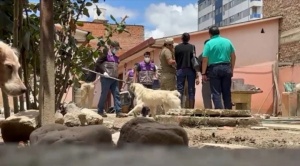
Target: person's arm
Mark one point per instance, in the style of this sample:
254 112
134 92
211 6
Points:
156 72
233 57
169 57
205 59
176 54
99 62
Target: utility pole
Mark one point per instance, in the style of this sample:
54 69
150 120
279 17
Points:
47 64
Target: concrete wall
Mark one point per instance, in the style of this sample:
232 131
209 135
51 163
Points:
255 51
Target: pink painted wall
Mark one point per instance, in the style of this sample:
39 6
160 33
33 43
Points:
255 53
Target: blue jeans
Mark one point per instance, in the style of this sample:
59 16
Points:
220 84
112 85
190 75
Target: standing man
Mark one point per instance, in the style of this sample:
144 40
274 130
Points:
219 60
184 53
144 74
108 66
206 92
167 62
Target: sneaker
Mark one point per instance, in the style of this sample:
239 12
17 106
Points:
121 115
103 115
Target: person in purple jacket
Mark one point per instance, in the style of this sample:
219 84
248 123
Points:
108 66
129 79
145 72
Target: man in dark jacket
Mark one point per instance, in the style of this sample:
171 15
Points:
108 66
184 53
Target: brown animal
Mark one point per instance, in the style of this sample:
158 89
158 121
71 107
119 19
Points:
10 80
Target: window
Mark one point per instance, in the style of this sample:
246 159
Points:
254 9
208 2
200 7
231 19
232 3
246 13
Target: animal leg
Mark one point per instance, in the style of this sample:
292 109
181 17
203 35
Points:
153 111
138 107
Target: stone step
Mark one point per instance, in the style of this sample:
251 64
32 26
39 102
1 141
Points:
210 112
194 121
226 146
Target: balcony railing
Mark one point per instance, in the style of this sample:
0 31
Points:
255 15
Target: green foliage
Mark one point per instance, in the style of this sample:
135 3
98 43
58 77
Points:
70 57
6 20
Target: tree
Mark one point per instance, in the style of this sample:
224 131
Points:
47 74
69 57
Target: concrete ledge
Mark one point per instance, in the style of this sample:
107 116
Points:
210 112
283 127
226 146
194 121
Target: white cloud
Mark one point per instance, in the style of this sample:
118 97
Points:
170 19
116 11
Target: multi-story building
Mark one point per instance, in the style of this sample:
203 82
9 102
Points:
225 12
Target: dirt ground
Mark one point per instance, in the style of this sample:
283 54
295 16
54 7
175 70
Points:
267 138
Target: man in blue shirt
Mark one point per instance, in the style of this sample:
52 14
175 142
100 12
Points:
217 65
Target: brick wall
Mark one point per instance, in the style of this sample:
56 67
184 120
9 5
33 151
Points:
127 41
289 10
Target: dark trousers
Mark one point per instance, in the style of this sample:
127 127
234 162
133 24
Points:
146 110
206 95
220 84
106 86
190 75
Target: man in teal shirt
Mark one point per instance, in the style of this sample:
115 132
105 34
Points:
217 65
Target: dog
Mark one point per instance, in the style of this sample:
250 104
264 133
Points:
10 81
87 93
153 98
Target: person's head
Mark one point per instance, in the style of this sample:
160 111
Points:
114 47
213 30
147 57
185 37
169 43
206 41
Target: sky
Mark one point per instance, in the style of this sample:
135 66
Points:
159 17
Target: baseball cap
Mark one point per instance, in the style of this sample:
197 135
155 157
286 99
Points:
115 44
169 41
